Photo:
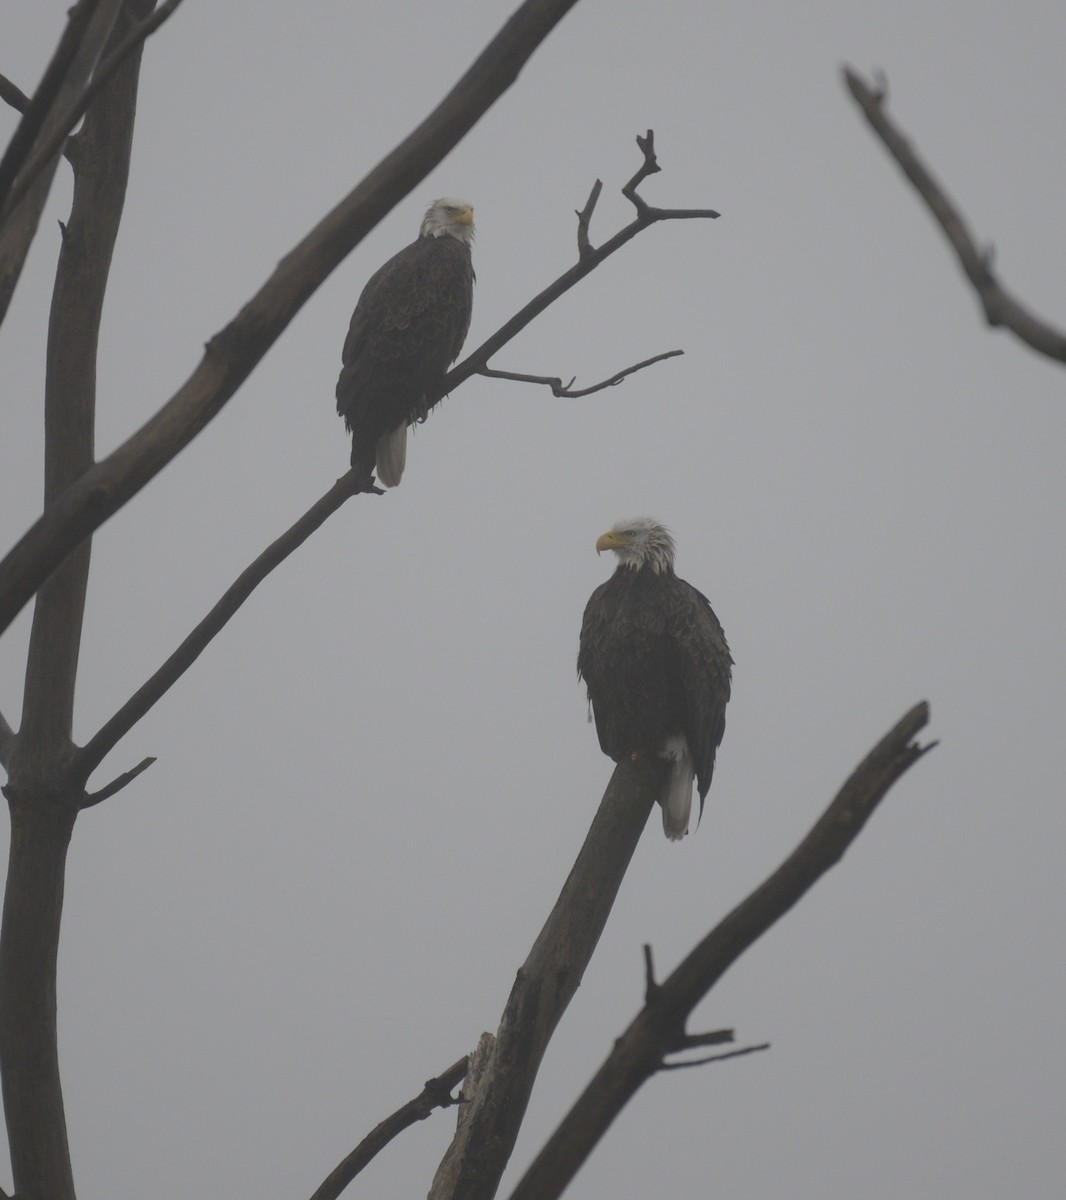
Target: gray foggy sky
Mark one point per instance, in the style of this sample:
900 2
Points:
370 788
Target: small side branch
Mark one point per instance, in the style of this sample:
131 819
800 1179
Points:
436 1094
999 306
568 391
712 1058
116 785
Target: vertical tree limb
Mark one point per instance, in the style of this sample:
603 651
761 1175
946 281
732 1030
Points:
42 795
20 224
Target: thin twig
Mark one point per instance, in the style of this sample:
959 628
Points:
77 109
584 218
711 1058
999 306
435 1094
567 391
116 785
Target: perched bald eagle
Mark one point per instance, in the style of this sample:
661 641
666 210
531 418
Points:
657 666
407 329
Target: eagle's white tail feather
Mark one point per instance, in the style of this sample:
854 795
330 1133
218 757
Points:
392 457
676 799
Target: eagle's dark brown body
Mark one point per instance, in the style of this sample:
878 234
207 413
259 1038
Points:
407 329
658 668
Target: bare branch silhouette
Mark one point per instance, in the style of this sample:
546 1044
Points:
545 985
74 112
436 1094
568 391
1000 308
659 1028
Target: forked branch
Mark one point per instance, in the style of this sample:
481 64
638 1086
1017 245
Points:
999 306
659 1028
589 258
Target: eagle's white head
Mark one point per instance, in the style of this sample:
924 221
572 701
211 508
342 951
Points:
451 217
640 542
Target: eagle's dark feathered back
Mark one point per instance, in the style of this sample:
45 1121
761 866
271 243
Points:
407 329
657 666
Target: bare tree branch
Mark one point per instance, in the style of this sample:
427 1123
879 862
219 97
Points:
35 111
116 785
1000 308
589 258
568 391
93 752
712 1058
72 65
659 1028
545 984
233 353
13 95
70 391
74 112
436 1094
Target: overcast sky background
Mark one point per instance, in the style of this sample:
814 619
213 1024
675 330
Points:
371 787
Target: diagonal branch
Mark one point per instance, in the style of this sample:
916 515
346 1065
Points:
436 1094
232 354
999 306
35 109
92 753
545 984
80 48
659 1028
589 258
568 391
13 95
116 785
74 112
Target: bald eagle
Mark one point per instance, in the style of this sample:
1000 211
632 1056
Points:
407 329
657 666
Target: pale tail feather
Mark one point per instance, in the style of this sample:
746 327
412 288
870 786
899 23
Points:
676 799
392 457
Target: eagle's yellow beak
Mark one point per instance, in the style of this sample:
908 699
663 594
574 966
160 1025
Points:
610 541
465 216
